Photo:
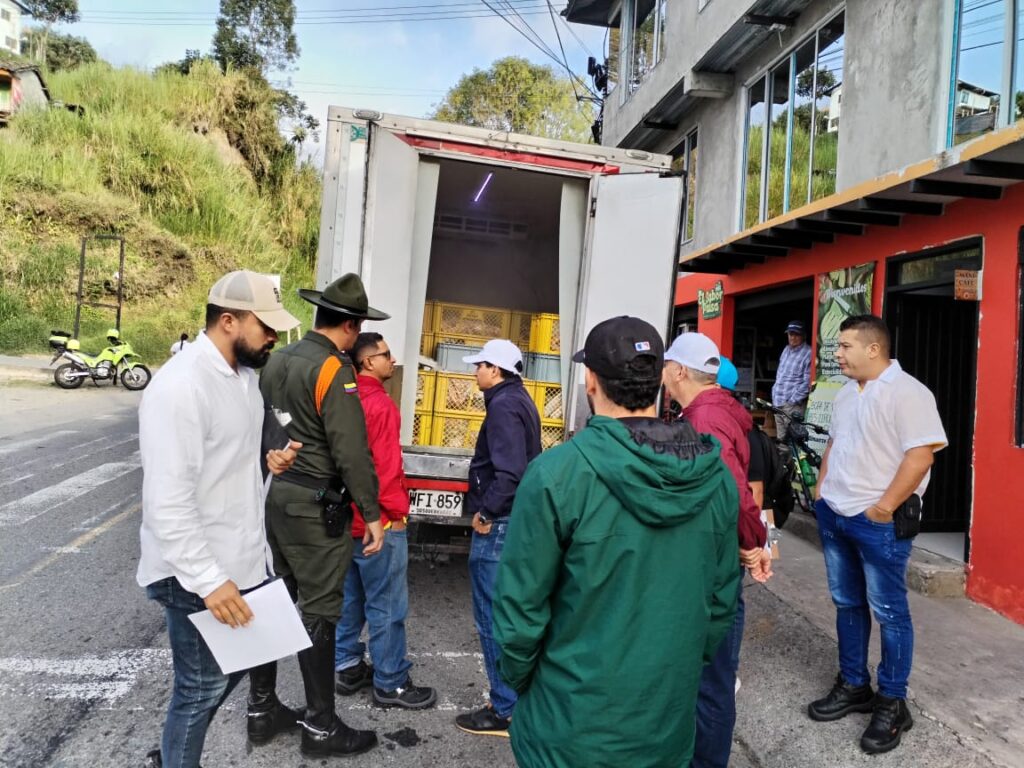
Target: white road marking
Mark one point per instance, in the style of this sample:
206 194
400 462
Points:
35 504
15 480
89 523
77 543
111 446
88 678
111 677
18 445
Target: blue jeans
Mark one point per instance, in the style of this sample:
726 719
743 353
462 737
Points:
377 594
867 574
484 556
716 699
199 685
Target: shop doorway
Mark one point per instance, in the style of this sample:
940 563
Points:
759 334
935 339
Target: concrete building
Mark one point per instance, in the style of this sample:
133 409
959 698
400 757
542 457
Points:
903 200
11 12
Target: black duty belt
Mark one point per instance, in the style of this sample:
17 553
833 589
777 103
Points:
329 490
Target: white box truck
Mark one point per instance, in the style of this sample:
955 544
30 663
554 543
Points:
426 211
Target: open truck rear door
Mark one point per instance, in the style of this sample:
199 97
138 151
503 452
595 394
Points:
629 268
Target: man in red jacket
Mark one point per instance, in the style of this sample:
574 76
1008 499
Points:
690 376
376 588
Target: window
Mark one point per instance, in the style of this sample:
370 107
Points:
988 73
5 15
792 131
11 44
684 159
641 40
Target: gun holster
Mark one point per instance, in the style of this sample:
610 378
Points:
331 495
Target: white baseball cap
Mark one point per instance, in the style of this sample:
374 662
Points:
500 352
696 352
255 293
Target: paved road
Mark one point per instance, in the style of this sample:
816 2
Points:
84 665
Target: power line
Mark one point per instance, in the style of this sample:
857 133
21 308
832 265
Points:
311 13
364 16
542 47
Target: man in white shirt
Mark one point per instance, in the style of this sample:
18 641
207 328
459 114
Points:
884 434
202 535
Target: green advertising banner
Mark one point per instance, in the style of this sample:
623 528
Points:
841 294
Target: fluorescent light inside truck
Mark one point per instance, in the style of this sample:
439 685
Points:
483 187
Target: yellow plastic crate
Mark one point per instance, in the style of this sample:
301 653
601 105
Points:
422 428
544 335
552 431
428 315
428 344
519 329
457 393
425 391
548 398
465 339
455 431
483 322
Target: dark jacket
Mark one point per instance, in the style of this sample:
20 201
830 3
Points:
716 412
508 440
618 581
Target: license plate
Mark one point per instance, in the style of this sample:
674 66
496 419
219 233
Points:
435 503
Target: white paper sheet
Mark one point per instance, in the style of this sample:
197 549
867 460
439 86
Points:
275 631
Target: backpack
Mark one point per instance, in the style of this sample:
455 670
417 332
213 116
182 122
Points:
778 480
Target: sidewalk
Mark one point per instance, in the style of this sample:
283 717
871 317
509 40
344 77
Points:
965 688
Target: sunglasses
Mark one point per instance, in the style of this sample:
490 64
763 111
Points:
386 353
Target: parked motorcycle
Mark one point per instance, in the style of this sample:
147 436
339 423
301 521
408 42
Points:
117 359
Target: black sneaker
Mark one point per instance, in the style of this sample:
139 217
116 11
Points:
841 701
408 696
484 722
354 679
891 717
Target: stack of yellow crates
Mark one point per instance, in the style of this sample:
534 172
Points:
449 405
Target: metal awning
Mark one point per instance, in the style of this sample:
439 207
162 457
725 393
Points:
979 169
748 32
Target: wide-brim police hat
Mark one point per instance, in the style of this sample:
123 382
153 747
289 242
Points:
346 295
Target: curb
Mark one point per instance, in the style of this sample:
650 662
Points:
927 574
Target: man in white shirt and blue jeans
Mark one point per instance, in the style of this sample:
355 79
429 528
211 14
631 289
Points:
202 535
884 434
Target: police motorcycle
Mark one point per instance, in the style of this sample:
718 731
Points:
118 359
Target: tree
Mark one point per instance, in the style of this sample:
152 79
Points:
256 34
60 51
516 95
50 12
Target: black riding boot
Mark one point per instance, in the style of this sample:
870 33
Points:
323 733
267 715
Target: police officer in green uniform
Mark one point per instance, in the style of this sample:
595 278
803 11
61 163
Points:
313 381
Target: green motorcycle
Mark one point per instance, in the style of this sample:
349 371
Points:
117 359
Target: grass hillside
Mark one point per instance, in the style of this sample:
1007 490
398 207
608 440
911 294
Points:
190 169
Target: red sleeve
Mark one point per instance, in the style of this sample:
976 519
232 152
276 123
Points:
736 455
383 423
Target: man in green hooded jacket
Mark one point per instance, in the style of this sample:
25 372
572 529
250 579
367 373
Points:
618 580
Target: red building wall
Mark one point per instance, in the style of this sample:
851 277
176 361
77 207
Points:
995 577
